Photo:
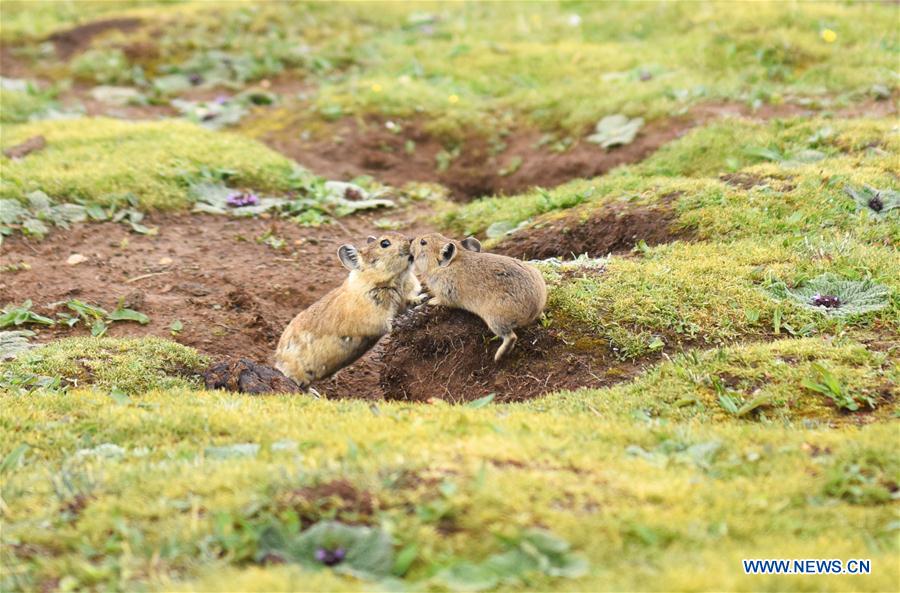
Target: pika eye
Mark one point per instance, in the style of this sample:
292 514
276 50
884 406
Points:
385 243
423 242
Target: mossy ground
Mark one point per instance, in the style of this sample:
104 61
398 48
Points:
98 160
647 500
658 481
466 65
129 366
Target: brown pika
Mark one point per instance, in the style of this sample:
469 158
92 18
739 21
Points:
341 326
505 292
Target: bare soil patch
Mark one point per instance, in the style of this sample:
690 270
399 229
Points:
357 147
77 39
615 228
233 293
338 498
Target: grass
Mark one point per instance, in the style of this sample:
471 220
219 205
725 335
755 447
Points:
20 106
766 381
710 293
97 159
625 491
132 366
463 66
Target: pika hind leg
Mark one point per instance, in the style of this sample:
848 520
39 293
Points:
509 342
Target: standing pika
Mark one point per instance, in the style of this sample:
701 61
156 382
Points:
341 326
505 292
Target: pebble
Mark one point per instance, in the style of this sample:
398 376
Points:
75 259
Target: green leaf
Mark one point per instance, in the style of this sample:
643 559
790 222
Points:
21 315
35 227
481 401
176 326
756 402
98 328
466 576
12 343
119 396
501 228
129 315
405 559
616 130
229 451
96 212
86 311
728 403
12 212
369 551
13 458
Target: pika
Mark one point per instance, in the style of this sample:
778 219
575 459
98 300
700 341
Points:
505 292
340 327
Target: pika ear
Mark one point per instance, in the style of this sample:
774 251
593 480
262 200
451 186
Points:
471 243
371 239
349 257
448 252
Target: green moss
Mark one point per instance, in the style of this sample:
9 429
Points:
734 143
132 365
709 293
864 476
765 381
640 499
94 159
19 106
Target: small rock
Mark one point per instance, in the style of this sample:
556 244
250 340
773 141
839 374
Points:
165 261
135 300
75 259
22 150
194 289
245 376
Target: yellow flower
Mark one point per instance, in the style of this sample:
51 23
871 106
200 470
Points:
828 36
453 98
376 88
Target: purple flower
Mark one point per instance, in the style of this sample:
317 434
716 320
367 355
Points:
221 99
330 557
825 300
875 203
242 198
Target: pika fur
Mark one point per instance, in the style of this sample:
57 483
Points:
341 326
505 292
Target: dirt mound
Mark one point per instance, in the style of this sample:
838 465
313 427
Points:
245 376
449 354
613 229
77 39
